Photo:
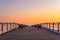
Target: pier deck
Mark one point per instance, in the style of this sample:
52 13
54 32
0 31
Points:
30 33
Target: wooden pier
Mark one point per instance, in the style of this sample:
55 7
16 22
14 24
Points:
30 33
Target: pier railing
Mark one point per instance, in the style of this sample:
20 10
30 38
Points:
7 27
53 27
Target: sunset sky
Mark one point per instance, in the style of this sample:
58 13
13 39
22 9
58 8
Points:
29 11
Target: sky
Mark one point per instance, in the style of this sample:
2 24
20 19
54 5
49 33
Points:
29 11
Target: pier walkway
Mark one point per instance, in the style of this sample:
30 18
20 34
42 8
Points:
30 33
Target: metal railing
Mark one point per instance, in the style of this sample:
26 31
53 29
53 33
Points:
53 27
7 27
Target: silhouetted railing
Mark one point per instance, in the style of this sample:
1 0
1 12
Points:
6 27
53 27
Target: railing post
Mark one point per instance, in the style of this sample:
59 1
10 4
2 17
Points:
49 26
58 28
10 26
42 25
13 26
16 26
53 26
7 26
2 27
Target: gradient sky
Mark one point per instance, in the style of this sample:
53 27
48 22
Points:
29 11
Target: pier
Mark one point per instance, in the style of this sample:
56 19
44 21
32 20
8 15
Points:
43 31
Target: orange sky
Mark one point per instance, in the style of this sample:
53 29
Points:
30 12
